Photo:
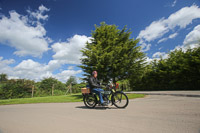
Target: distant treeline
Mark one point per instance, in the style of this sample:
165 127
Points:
22 88
181 71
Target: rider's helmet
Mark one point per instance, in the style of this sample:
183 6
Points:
94 72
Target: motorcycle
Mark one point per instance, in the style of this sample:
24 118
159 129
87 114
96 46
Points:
110 97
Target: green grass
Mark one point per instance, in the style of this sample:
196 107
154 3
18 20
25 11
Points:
133 96
55 99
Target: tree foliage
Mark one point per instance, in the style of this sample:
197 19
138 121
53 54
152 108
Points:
72 80
3 77
113 53
181 71
47 84
16 89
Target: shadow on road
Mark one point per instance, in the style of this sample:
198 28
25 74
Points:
96 108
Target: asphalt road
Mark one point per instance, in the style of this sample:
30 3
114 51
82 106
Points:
152 114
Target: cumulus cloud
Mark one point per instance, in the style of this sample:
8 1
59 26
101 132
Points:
160 54
4 65
193 38
39 14
69 52
6 62
33 70
65 53
155 30
158 29
19 32
65 75
183 17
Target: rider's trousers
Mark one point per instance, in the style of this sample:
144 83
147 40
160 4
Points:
98 92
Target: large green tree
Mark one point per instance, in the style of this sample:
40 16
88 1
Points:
113 53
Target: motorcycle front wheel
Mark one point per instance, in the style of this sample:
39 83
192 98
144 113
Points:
120 99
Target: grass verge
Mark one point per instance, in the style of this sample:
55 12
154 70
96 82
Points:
55 99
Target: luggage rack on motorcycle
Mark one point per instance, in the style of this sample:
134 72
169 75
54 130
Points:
85 90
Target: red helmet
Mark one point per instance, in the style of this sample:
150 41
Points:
94 72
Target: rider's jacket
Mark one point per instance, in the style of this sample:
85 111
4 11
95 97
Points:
94 83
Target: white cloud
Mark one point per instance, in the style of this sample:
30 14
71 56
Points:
158 29
65 53
39 14
166 38
160 54
148 60
6 62
162 40
178 47
4 65
173 35
174 3
193 38
53 65
183 17
155 30
157 56
64 75
16 31
145 47
70 67
30 69
33 70
69 52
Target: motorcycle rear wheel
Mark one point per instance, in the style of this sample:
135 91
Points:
90 100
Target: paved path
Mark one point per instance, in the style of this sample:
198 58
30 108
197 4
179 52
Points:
170 93
152 114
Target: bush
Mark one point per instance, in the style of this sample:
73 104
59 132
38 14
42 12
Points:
179 72
59 92
16 89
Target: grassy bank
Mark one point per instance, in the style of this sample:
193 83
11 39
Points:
55 99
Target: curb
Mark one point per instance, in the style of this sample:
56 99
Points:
181 95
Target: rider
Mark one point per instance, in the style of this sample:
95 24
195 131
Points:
95 86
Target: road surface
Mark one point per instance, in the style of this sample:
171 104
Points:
152 114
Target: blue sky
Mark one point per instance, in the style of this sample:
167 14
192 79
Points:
43 38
